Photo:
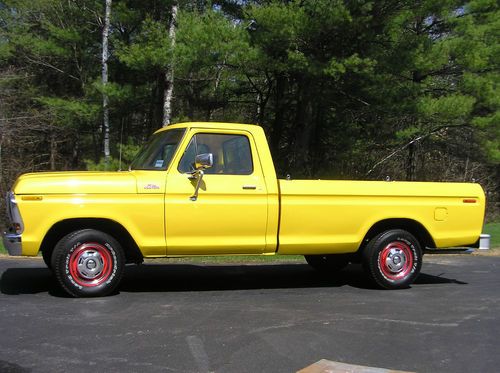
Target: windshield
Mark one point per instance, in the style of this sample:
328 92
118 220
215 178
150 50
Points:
158 151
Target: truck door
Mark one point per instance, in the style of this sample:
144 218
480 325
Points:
229 215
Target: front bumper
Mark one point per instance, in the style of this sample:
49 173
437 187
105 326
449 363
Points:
12 242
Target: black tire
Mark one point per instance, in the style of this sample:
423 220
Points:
47 258
88 263
393 259
327 263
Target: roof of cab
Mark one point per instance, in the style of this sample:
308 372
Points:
211 125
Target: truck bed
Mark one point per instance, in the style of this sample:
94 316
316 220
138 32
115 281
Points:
320 216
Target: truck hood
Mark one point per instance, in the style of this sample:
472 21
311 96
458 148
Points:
76 183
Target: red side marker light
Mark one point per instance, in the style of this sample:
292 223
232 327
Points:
470 200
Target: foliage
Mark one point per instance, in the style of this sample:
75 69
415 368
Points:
150 50
127 153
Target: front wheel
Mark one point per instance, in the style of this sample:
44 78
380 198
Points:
88 263
47 258
393 259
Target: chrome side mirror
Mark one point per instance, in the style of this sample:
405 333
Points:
201 162
204 161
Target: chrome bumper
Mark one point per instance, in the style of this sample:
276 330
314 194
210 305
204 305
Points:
12 242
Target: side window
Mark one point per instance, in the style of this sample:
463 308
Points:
232 154
237 156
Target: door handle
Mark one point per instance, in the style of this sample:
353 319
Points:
249 187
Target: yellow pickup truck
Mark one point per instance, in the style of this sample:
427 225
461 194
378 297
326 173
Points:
211 189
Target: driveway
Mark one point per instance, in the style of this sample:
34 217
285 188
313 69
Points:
253 318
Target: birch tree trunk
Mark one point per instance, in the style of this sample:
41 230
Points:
169 74
105 101
53 150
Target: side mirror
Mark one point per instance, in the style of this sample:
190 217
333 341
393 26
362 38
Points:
201 162
204 161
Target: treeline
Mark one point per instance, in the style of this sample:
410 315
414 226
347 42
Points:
345 89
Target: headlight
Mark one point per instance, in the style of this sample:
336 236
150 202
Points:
13 214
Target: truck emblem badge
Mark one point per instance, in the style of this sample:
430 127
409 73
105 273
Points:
151 186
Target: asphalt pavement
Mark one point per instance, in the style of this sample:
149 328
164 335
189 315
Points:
253 318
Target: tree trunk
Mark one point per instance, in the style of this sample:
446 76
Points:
279 114
304 128
76 154
317 155
53 149
169 74
410 163
105 101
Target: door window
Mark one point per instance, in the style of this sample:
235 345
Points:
232 154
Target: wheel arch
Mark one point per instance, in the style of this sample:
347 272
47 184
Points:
411 226
116 230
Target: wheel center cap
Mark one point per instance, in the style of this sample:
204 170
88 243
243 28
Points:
395 261
91 264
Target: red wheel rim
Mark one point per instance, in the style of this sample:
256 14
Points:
396 260
90 264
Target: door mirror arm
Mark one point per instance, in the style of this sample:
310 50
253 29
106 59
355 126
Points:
197 174
202 162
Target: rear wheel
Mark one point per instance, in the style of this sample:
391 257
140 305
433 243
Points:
88 263
327 262
393 259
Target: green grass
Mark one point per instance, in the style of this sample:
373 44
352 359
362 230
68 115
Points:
238 259
493 229
2 249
